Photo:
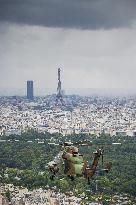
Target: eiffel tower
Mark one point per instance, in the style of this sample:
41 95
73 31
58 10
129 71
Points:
59 97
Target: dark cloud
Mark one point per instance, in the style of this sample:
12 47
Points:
84 14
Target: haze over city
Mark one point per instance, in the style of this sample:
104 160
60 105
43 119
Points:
92 41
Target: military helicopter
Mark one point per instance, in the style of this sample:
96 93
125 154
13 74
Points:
74 163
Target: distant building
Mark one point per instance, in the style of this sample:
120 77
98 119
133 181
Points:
3 201
30 90
121 133
134 133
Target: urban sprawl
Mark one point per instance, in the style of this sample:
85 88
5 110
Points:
88 115
92 115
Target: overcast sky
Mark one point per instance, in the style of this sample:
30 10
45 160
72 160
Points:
92 41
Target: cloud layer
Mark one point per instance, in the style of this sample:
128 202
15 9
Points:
81 14
88 58
92 40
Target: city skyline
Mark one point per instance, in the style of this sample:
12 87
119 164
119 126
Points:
92 41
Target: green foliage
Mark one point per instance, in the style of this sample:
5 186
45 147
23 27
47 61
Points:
24 160
8 195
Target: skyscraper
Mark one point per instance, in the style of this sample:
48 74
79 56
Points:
30 90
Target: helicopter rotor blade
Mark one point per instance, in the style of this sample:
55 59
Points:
83 143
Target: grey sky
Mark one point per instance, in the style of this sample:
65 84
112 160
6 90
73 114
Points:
93 41
86 14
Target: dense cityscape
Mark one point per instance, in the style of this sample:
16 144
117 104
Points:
73 115
90 115
53 197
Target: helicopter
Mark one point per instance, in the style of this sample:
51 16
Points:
74 163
